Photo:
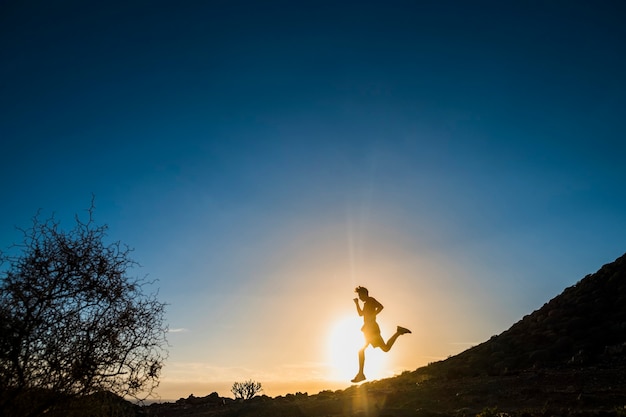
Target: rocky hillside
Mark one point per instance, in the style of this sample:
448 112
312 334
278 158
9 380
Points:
584 326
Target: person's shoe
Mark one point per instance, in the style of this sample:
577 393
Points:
403 330
358 378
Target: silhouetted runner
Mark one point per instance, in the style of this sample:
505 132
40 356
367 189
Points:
370 329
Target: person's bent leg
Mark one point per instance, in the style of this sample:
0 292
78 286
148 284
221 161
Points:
399 332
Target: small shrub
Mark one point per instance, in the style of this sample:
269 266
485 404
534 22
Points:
246 390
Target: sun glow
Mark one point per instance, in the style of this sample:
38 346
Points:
345 340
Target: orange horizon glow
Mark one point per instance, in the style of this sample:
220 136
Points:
301 331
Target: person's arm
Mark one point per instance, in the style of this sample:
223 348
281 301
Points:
358 307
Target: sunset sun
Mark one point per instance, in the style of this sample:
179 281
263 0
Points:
344 341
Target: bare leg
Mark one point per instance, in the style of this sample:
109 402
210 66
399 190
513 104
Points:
361 360
360 376
399 332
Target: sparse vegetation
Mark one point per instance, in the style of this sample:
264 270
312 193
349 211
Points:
73 322
246 390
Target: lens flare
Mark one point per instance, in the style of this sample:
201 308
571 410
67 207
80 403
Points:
344 341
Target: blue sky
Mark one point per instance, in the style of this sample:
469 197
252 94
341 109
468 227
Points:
464 160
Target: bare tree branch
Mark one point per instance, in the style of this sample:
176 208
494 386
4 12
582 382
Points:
73 321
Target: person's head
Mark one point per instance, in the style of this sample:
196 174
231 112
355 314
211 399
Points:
362 292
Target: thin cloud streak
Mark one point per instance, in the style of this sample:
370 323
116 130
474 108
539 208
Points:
179 330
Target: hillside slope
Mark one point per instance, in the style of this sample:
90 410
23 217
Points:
583 326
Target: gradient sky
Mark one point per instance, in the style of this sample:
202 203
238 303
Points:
463 160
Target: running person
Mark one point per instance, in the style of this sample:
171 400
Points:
370 329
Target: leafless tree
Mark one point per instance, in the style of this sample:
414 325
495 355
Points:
246 390
73 322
